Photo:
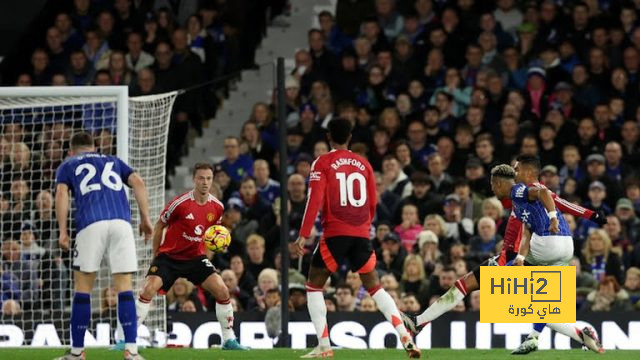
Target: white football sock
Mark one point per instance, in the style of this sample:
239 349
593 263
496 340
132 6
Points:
318 314
388 308
445 303
142 309
224 314
567 329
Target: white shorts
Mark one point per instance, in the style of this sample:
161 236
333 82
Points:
552 250
114 237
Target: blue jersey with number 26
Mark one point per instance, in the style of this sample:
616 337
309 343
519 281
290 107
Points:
533 214
97 184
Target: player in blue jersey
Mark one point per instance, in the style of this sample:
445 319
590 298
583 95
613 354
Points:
546 241
103 226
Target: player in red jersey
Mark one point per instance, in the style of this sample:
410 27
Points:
342 184
182 253
511 245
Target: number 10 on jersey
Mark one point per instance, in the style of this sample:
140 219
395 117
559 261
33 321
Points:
347 183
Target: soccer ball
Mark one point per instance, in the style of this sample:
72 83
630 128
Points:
217 238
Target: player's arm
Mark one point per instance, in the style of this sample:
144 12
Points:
578 211
158 230
142 198
62 214
544 196
317 187
523 251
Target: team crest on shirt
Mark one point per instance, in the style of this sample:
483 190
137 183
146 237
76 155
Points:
210 217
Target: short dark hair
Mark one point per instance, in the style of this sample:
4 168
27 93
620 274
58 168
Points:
340 130
344 286
448 269
530 160
202 166
81 139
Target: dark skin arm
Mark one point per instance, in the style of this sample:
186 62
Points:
544 195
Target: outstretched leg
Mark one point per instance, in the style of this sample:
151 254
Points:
224 311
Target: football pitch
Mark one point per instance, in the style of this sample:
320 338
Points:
284 354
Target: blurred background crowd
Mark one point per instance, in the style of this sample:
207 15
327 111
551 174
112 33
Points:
438 92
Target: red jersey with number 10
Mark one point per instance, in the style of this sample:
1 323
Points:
186 223
343 184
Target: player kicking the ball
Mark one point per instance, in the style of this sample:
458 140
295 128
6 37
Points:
182 253
527 171
103 222
343 184
549 243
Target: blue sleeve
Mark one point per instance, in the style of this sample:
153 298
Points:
520 193
62 174
125 171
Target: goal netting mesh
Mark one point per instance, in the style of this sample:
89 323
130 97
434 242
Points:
35 277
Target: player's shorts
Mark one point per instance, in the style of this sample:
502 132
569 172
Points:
332 251
551 250
112 237
195 270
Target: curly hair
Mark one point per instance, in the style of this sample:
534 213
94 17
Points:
503 171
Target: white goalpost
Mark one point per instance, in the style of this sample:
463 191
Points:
36 125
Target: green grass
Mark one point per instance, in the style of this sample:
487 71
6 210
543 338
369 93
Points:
283 354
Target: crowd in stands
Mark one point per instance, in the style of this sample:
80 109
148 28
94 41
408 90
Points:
438 92
149 46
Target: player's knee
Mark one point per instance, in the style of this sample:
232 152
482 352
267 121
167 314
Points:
151 286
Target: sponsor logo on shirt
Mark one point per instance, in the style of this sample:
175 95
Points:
198 230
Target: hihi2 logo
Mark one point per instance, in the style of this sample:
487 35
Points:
526 294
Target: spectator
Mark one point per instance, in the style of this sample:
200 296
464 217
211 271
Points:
136 58
585 282
181 292
609 297
442 181
394 178
410 226
235 164
428 245
598 258
440 284
630 222
368 305
414 279
391 255
267 280
484 244
268 189
58 54
256 147
297 297
231 281
460 229
353 280
344 298
118 70
246 281
255 206
108 301
474 301
11 308
80 72
240 225
423 196
256 255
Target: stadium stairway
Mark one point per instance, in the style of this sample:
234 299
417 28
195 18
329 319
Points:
253 86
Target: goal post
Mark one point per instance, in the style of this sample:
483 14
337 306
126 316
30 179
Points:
36 124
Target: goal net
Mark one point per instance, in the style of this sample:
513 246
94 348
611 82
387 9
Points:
35 274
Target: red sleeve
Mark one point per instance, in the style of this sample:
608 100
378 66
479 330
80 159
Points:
317 187
506 203
571 208
171 210
372 192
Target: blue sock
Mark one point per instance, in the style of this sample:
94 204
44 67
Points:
127 316
80 317
539 327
